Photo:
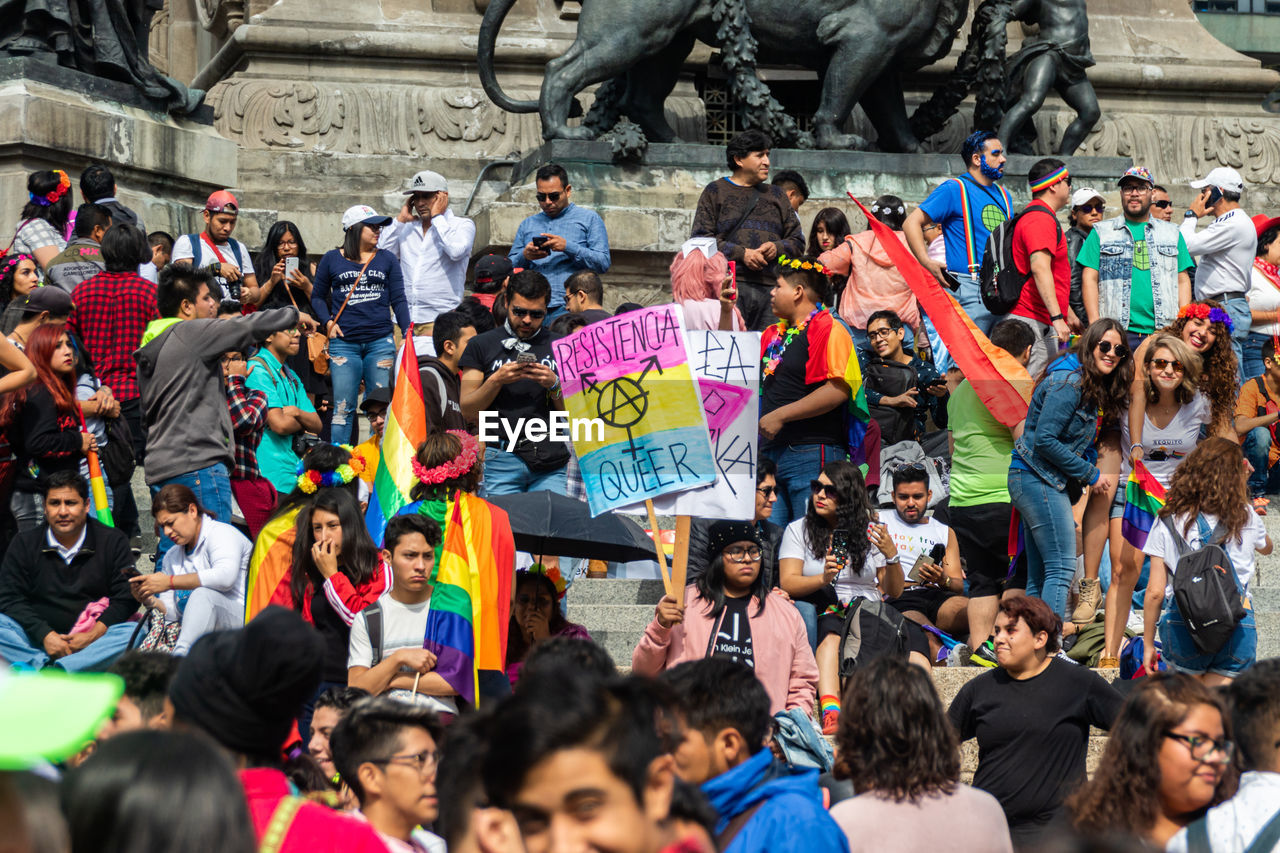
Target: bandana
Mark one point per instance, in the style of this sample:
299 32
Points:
514 341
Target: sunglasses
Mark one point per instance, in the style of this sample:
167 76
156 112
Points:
1165 363
551 197
767 491
908 466
818 487
535 313
1122 351
1092 208
1162 204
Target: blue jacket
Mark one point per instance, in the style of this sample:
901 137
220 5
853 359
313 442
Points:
1059 430
791 818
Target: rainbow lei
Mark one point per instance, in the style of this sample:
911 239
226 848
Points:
455 467
1200 311
552 574
797 264
773 352
55 194
309 481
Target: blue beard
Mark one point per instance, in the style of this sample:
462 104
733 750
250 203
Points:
994 174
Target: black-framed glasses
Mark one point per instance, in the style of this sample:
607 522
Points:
1165 363
1134 188
424 762
1121 351
535 313
819 487
767 491
881 333
1091 208
551 197
1162 204
1202 747
743 553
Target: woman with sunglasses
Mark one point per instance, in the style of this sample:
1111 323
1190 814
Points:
1168 759
1176 412
1084 390
1264 294
1208 499
357 287
726 612
1087 207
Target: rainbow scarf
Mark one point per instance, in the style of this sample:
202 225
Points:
406 429
269 564
1143 498
471 596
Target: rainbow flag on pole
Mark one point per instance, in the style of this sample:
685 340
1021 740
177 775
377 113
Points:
406 429
471 596
1143 498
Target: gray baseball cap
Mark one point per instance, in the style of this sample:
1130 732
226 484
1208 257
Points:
427 181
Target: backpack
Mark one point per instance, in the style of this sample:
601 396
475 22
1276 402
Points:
872 629
890 378
1131 657
999 281
1205 588
1264 842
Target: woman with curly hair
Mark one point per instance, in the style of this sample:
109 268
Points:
1168 759
1207 500
898 749
1083 390
42 226
19 275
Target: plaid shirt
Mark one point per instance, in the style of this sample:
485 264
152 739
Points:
112 310
248 419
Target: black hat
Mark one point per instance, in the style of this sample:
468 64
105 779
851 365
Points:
492 268
724 533
49 298
376 396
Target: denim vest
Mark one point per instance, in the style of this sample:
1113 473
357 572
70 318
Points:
1115 269
1054 458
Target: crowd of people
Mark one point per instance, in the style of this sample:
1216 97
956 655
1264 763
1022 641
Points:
276 679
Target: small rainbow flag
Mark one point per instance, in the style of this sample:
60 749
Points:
269 564
1143 498
406 429
831 356
471 596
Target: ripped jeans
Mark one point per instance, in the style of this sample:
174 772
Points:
348 364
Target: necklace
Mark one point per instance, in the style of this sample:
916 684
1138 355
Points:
785 333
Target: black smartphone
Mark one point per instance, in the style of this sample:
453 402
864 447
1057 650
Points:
1215 196
526 358
840 546
952 281
131 572
540 241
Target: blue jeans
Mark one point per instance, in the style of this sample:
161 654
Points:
970 299
1257 446
797 466
507 474
348 364
1050 537
212 488
809 615
1180 652
1252 364
16 648
1237 308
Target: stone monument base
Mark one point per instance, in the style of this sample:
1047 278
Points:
56 118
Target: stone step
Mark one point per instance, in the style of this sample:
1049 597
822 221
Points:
615 591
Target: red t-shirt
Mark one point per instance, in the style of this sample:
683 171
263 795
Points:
1036 232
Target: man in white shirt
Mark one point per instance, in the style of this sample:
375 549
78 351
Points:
216 250
1224 251
433 246
1235 825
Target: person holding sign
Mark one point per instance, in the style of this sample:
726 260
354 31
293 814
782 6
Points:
810 371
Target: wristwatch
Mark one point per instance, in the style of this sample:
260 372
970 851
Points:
1056 317
1190 213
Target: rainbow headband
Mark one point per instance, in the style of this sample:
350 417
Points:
309 481
1049 180
1200 311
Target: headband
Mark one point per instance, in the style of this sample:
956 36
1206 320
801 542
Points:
309 481
797 264
455 467
1200 311
12 261
552 574
1049 180
900 209
55 194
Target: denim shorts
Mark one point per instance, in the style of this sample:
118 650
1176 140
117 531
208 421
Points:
1181 654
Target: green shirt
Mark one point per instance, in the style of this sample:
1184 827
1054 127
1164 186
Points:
984 447
276 458
1142 306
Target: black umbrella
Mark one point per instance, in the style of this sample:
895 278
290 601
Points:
548 523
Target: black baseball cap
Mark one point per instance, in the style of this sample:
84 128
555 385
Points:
49 298
377 397
492 268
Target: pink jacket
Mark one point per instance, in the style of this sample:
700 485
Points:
783 661
874 282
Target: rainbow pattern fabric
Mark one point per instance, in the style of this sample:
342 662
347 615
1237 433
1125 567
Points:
269 564
831 356
1143 498
406 429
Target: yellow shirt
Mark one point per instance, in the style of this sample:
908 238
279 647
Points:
369 450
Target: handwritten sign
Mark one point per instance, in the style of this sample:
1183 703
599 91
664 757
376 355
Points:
631 372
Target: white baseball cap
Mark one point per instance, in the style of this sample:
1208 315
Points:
1085 195
427 181
363 214
1224 178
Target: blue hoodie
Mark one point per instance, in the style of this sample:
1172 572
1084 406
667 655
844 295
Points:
791 817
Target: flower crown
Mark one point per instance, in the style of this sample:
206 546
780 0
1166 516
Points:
455 467
309 481
1200 311
8 261
797 264
552 574
53 196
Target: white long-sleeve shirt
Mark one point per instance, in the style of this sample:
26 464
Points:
434 263
220 558
1234 824
1224 254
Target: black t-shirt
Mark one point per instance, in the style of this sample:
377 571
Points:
1033 735
786 386
335 634
733 639
521 399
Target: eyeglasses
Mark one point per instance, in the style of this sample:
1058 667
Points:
1202 747
1122 351
1162 204
375 416
551 197
819 487
880 333
227 359
1091 208
424 762
767 491
535 313
1165 363
1135 188
744 554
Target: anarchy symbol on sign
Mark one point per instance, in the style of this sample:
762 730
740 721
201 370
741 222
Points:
623 402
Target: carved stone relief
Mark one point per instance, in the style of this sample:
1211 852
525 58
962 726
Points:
220 17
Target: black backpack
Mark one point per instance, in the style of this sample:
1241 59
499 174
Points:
1205 588
999 281
891 378
872 629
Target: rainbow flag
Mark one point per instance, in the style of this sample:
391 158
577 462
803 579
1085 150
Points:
471 596
269 564
406 429
831 356
1003 385
1143 498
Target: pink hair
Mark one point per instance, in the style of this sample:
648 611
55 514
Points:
695 277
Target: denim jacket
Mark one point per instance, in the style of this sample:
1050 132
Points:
1058 432
1115 269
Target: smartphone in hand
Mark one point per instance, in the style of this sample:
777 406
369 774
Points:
290 266
840 546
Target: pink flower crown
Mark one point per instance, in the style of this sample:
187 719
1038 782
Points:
455 467
1200 311
8 261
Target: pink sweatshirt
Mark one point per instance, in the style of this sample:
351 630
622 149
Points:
783 661
874 282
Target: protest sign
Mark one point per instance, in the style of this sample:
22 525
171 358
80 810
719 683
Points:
631 374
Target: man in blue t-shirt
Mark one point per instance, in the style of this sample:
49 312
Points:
968 207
